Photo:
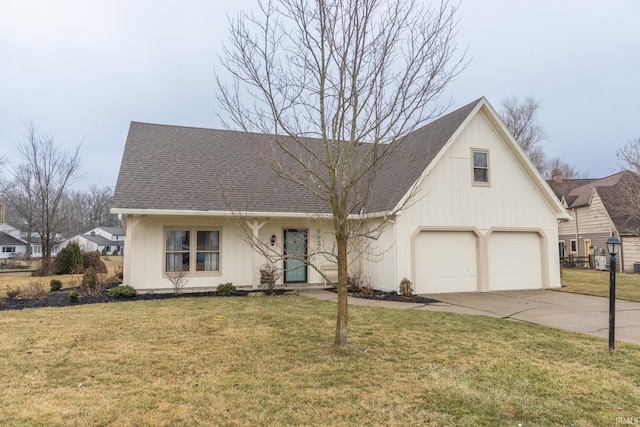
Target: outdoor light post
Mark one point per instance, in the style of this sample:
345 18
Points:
613 246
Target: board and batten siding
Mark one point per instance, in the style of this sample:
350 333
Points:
239 263
448 200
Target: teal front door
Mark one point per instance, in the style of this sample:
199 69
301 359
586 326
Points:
295 251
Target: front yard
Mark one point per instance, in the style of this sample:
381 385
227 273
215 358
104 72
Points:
268 361
591 282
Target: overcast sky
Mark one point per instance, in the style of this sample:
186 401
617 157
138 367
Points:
83 70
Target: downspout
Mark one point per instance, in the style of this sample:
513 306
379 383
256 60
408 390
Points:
575 214
395 256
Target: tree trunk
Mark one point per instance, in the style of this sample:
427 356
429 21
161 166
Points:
340 342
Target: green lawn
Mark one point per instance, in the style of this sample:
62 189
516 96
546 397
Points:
591 282
268 361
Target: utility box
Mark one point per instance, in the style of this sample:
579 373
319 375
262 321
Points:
601 263
636 267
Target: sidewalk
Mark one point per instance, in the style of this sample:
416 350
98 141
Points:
554 309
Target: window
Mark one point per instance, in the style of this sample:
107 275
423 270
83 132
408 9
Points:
9 249
480 160
574 246
184 246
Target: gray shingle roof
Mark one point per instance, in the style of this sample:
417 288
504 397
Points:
181 168
7 239
114 231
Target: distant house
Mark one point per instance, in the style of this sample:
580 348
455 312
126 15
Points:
22 236
591 204
481 218
107 240
11 246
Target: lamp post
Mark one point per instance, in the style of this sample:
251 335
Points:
613 246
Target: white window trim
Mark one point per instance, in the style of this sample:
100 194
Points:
473 167
573 242
192 250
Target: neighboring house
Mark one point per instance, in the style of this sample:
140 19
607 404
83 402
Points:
481 217
591 204
11 246
21 235
109 240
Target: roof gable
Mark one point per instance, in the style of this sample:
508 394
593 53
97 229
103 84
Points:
179 169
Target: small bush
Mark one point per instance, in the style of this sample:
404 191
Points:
13 292
406 287
34 290
74 295
55 284
92 260
92 282
120 274
359 283
124 291
269 274
226 288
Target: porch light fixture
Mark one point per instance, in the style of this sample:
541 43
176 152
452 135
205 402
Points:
613 246
273 239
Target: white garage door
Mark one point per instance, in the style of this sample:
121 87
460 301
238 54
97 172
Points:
446 261
514 261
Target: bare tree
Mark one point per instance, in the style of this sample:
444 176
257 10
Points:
521 118
41 182
568 171
624 197
353 75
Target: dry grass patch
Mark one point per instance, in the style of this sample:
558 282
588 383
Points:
268 361
19 280
591 282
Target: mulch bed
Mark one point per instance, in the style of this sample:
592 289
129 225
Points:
61 298
388 296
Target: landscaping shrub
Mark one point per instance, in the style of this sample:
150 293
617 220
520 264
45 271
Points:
74 295
55 284
92 283
226 288
92 260
268 276
178 279
34 290
13 292
359 283
406 287
69 260
123 291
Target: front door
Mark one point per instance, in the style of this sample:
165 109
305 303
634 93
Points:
295 251
587 252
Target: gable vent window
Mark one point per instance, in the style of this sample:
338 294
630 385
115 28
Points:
480 159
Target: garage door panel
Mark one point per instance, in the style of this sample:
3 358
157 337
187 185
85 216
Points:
514 261
446 262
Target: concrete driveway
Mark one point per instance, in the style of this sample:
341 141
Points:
561 310
554 309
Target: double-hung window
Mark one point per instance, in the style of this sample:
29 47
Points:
192 250
480 164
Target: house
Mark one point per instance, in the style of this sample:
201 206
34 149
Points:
480 217
22 236
107 240
11 246
592 206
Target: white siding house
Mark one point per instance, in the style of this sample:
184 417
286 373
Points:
469 212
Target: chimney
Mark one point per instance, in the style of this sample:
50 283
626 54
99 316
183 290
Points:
556 175
93 233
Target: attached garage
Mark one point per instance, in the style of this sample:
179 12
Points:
446 261
514 260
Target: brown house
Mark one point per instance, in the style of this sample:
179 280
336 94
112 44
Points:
595 214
